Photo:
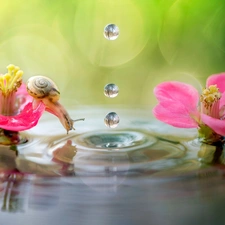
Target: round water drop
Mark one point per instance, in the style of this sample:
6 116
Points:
112 120
111 32
111 90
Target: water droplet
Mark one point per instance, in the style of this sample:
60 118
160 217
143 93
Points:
112 120
111 90
111 32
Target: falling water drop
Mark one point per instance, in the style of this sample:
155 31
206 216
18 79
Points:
111 32
112 120
111 90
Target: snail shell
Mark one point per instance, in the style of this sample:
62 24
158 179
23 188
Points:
41 87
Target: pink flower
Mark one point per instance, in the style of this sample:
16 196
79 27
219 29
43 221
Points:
180 104
26 117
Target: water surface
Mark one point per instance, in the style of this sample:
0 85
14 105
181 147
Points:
142 172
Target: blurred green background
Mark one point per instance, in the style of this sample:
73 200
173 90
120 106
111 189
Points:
159 40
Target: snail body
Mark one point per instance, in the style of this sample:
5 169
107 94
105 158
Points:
43 89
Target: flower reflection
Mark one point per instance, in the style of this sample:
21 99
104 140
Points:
211 153
11 197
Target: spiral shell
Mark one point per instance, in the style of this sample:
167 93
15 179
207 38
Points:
41 87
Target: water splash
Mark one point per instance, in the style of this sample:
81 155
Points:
124 140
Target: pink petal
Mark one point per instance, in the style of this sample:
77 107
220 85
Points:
215 124
177 104
22 90
174 119
222 100
27 118
28 115
22 96
218 79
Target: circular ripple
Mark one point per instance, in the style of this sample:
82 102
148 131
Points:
122 151
116 140
144 155
133 150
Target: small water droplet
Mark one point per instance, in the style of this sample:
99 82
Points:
111 32
112 120
111 90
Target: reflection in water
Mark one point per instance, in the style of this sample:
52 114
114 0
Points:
65 153
12 201
136 199
130 175
43 193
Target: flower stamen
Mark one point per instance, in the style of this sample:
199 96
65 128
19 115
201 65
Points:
210 101
210 95
11 81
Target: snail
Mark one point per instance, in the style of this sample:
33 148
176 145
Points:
43 89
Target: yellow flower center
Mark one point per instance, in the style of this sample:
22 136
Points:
210 95
11 81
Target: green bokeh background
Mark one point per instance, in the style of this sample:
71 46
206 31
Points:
159 40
